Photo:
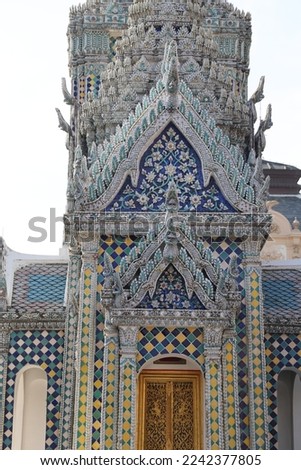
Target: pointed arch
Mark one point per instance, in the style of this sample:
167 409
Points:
30 408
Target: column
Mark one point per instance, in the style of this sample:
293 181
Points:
68 384
85 349
213 386
230 391
108 436
4 345
127 388
256 349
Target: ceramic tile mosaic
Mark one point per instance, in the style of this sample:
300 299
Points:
44 349
229 364
257 361
282 351
224 250
39 287
128 373
170 158
84 359
215 397
116 247
111 395
157 341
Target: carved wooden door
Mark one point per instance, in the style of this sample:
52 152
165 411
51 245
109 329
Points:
169 410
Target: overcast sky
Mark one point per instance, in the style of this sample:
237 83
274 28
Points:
34 58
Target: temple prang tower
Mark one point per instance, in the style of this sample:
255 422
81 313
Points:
166 219
154 333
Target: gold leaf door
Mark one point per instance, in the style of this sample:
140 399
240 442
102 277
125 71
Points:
169 414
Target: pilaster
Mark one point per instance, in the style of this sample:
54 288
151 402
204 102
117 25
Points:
127 388
230 391
256 350
109 416
68 385
213 380
85 348
4 345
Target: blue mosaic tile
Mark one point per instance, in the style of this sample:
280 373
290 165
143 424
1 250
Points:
39 286
171 158
44 349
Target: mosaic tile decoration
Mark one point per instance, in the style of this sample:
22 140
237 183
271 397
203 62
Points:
84 359
224 249
229 394
93 84
157 341
127 370
214 394
281 352
98 382
170 158
171 293
111 392
69 371
45 349
257 379
115 247
39 287
282 291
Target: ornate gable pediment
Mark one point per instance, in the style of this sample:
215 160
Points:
142 156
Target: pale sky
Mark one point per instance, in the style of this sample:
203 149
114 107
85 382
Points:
34 58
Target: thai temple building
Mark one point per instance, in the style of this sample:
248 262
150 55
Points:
172 317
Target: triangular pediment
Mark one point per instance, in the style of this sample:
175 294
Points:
119 177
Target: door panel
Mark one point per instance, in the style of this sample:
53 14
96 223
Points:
169 410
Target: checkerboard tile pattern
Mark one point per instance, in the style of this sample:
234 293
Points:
215 398
93 84
111 391
282 351
98 382
116 248
69 373
229 394
84 359
224 249
128 371
157 341
44 349
258 384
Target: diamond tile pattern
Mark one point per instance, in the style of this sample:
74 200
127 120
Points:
45 349
224 250
281 352
155 341
214 406
257 361
231 438
115 247
39 287
111 392
127 405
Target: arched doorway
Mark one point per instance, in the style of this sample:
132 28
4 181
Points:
30 408
170 405
289 410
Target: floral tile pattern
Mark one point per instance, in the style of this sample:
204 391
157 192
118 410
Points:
171 158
